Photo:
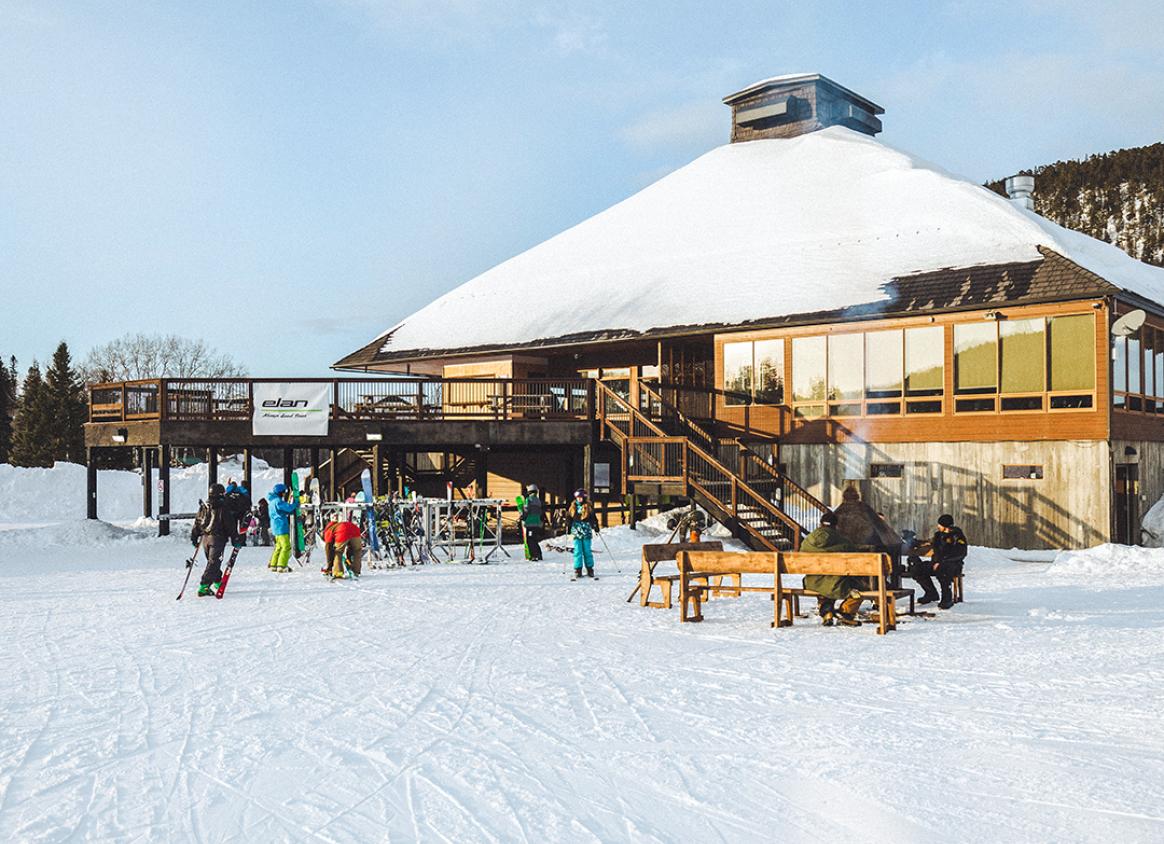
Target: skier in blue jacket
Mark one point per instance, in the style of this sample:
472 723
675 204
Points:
281 509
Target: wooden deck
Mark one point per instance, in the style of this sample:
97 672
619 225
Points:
398 411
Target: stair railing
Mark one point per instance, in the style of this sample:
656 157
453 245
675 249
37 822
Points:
766 480
650 454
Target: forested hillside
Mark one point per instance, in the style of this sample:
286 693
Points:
1116 196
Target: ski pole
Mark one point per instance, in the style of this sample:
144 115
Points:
607 547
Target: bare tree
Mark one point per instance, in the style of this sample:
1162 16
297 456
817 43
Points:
136 356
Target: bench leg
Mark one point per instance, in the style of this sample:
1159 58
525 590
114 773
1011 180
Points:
665 588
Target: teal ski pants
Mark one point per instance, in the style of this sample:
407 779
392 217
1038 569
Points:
583 555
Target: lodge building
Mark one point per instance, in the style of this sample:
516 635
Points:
797 311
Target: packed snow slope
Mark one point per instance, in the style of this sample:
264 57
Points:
747 231
505 703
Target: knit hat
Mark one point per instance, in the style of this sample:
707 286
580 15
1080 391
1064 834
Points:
946 520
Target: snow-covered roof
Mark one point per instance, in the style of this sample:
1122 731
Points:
763 229
797 78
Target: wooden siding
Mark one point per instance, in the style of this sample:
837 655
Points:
1068 508
948 426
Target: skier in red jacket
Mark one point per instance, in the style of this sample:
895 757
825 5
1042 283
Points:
340 537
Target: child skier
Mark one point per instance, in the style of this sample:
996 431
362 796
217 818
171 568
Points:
214 526
281 509
582 525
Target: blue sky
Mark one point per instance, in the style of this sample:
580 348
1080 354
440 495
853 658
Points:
287 179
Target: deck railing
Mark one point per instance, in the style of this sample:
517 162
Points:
426 399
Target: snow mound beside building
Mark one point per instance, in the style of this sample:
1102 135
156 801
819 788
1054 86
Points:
1108 560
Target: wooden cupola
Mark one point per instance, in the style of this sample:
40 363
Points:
787 106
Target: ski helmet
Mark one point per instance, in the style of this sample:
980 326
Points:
580 493
279 489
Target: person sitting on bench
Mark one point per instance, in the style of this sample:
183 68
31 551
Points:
826 539
947 551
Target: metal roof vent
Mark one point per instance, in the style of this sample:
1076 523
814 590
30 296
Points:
1020 190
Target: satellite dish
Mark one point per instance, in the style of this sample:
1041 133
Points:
1128 324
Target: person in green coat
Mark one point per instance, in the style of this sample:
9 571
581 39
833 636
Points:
826 539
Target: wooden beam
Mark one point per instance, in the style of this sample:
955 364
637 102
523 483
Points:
147 482
288 459
91 485
248 471
211 466
164 490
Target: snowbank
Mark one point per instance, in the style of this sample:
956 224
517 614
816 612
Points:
86 533
1110 561
58 494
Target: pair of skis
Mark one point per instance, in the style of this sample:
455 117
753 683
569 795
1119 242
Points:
225 574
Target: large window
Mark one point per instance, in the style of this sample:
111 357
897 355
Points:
769 356
737 373
808 375
1072 345
884 358
1022 349
753 372
975 366
925 367
846 374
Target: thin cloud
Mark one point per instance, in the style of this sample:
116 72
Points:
695 125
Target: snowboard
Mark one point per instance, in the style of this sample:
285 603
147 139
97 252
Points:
226 573
373 531
298 533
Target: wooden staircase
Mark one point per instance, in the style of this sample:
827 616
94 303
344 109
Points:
761 506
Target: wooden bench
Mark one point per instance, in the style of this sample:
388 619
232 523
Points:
696 567
658 552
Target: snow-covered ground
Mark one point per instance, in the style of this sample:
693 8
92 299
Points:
506 703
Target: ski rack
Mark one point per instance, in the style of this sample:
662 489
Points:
469 529
469 524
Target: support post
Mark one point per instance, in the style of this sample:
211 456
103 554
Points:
164 491
249 471
315 463
91 484
147 482
587 468
377 470
211 467
331 476
481 478
288 459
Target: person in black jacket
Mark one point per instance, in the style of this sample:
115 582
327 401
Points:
947 553
263 516
531 522
214 526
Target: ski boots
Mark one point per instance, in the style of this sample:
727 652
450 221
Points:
203 591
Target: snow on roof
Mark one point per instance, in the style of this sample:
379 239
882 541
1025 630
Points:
788 78
763 229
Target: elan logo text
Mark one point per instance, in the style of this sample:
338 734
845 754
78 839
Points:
285 403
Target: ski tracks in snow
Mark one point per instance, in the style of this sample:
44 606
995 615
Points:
504 703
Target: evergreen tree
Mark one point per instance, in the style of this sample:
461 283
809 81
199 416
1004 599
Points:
66 407
7 408
32 434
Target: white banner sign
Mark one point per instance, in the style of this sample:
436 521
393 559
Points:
291 409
